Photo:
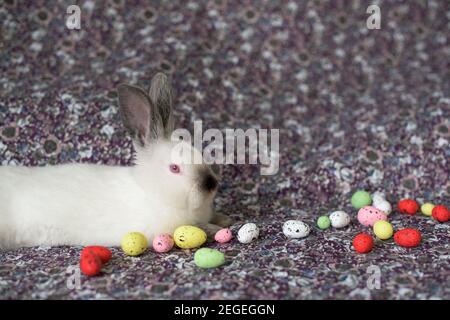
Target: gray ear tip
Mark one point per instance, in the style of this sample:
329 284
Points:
160 81
161 77
160 87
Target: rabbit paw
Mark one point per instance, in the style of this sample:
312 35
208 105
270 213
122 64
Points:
210 229
221 220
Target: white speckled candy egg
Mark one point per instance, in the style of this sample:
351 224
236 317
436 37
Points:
295 229
247 233
378 196
384 206
339 219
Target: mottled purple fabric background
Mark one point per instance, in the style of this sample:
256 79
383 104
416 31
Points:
357 108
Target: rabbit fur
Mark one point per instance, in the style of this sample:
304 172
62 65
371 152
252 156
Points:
87 204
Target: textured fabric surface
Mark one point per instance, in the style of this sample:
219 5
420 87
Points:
356 108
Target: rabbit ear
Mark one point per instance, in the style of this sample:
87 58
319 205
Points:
138 113
161 94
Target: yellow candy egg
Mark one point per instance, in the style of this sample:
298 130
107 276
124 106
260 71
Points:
383 229
427 208
134 243
188 237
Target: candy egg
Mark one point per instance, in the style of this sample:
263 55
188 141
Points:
427 209
223 235
339 219
247 233
103 253
408 237
295 229
209 258
441 213
368 215
383 229
189 237
163 243
361 199
378 197
383 206
90 263
363 243
134 243
408 206
323 222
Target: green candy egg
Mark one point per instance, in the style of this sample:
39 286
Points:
361 199
323 222
209 258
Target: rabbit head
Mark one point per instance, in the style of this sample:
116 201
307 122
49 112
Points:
163 166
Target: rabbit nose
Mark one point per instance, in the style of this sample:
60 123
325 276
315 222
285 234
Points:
209 183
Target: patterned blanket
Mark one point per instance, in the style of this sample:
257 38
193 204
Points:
356 108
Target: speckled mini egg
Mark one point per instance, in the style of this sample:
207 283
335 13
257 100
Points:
383 206
134 243
408 206
163 243
378 196
441 213
363 242
408 238
339 219
189 237
247 233
368 215
296 229
223 235
383 229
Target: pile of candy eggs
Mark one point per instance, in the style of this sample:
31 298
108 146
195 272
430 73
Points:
374 211
191 237
410 207
298 229
135 244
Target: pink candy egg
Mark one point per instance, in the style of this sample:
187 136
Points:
163 243
368 215
223 235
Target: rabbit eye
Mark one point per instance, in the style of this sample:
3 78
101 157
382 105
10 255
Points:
174 168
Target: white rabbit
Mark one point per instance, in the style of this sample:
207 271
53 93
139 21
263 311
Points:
83 204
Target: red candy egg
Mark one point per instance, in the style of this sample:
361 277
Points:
90 264
408 206
92 259
363 243
408 238
103 253
441 213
